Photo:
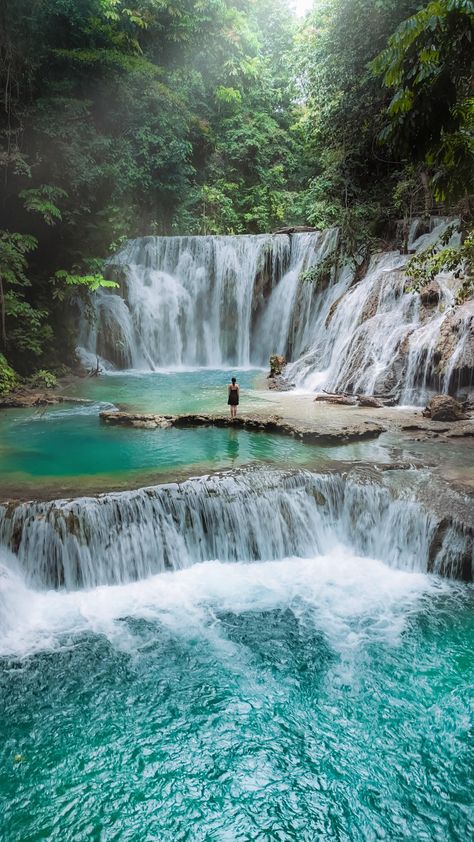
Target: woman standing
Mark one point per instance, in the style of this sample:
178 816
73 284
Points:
233 397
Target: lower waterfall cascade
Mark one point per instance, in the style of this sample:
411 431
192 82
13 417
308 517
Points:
127 536
235 300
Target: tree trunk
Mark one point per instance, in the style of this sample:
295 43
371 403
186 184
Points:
428 196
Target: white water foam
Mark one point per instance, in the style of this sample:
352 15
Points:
250 516
70 411
351 600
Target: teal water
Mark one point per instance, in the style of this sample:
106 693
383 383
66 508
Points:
73 445
313 700
173 392
319 699
66 450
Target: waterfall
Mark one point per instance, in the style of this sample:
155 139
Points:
235 300
373 336
354 343
249 516
201 301
198 301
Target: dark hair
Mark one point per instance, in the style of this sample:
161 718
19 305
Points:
233 380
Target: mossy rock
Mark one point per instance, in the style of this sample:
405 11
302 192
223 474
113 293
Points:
277 364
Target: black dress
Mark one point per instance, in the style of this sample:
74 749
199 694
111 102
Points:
233 399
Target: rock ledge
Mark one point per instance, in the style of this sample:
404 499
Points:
305 431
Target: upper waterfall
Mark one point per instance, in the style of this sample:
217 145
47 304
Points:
202 301
234 300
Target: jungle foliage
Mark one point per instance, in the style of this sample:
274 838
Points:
122 118
443 257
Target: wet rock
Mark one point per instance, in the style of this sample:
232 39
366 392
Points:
316 431
430 294
441 562
263 283
437 542
280 384
444 408
277 364
463 429
27 398
145 425
371 304
454 352
332 310
361 268
388 382
110 341
128 419
467 399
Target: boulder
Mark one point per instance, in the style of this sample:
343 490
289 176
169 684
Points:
277 364
444 408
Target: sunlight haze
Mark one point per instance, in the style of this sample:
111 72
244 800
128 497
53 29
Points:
302 6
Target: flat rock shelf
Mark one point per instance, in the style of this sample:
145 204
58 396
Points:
270 424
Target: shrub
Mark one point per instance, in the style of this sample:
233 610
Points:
440 257
43 379
7 377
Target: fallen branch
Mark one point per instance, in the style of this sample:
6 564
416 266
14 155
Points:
94 372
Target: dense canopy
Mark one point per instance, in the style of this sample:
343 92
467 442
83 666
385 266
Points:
214 116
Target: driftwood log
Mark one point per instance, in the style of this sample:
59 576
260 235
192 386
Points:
338 399
344 399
